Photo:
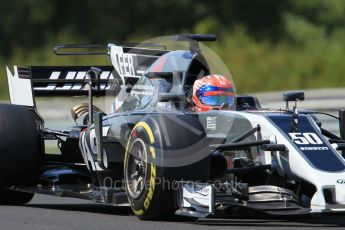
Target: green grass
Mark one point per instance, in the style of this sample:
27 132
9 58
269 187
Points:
255 65
263 66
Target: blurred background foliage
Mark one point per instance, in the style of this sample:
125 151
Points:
268 44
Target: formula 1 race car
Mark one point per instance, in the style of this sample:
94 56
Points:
148 150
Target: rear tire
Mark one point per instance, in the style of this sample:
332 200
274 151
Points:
20 153
12 197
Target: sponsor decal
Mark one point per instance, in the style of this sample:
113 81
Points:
341 181
308 139
314 148
211 123
143 90
204 191
124 63
310 143
73 75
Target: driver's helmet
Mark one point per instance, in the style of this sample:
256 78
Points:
213 92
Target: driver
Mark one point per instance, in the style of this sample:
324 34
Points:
212 92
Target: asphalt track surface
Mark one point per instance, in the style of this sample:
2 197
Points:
55 213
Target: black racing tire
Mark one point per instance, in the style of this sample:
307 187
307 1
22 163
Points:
20 153
12 197
146 152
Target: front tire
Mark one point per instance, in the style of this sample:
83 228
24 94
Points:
141 176
149 179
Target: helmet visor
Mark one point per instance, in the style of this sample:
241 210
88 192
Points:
217 100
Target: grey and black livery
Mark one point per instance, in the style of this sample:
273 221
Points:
153 153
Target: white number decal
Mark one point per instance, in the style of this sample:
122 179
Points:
306 138
298 139
313 138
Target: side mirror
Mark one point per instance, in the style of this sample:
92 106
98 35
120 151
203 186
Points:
341 146
247 103
273 147
293 96
173 97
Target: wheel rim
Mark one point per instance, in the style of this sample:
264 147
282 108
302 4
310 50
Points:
136 168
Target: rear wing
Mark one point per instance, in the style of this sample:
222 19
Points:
129 62
68 80
128 65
